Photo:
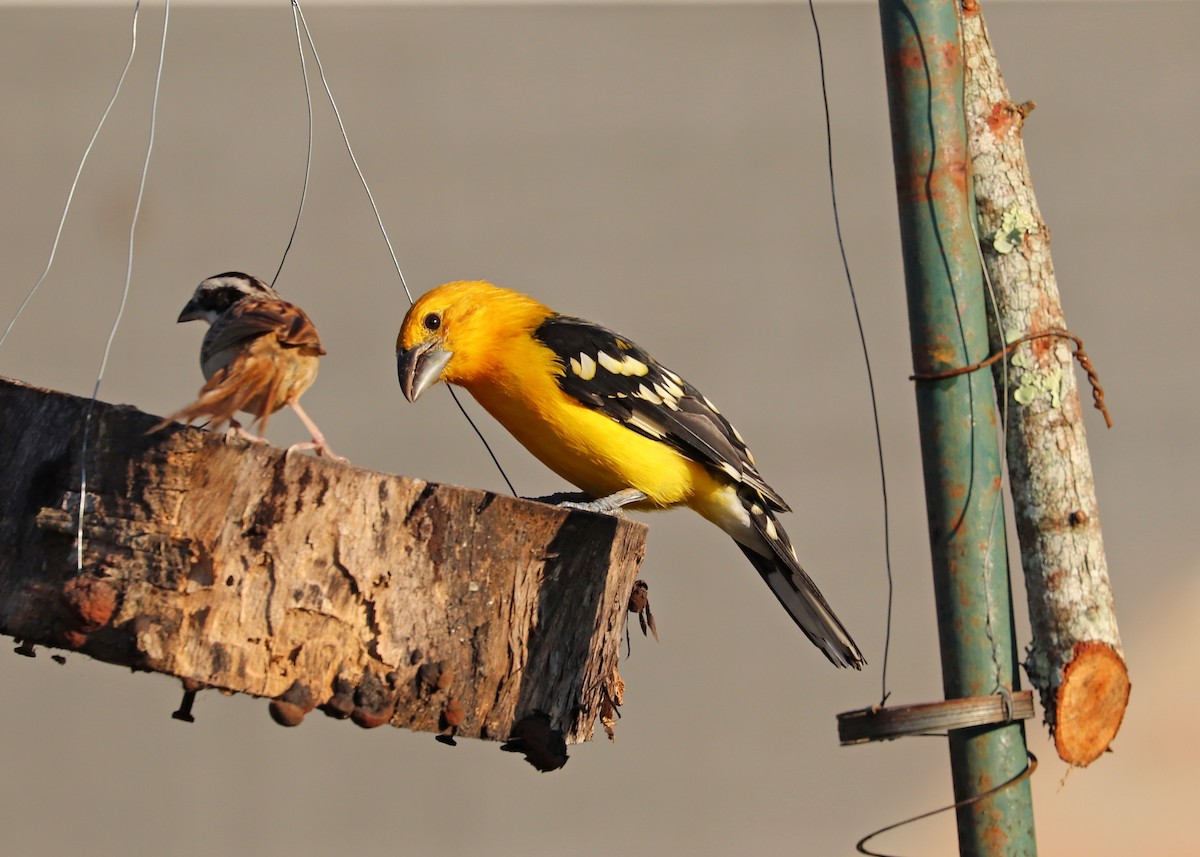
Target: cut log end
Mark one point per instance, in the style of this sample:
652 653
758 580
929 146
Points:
1091 703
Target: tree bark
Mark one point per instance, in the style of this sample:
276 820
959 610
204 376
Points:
1075 660
232 565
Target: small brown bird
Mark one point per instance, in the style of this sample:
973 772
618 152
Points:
260 353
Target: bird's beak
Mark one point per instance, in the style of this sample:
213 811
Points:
420 367
190 312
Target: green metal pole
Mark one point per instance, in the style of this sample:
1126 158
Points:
957 417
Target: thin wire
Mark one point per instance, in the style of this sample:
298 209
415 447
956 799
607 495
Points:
996 318
299 13
78 172
1030 767
137 209
862 336
308 159
987 277
1080 355
350 149
483 440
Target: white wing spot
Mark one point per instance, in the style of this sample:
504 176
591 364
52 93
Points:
649 428
610 363
732 471
710 405
671 387
587 367
633 366
643 392
626 365
772 533
756 509
575 367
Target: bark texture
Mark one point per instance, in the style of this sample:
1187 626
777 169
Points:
1075 660
309 582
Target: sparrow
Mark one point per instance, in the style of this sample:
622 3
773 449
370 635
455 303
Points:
260 354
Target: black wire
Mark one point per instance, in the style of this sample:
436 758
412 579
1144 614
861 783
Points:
862 336
1025 773
301 21
308 159
486 445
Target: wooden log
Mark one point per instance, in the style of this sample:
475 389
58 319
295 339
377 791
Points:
1075 660
313 583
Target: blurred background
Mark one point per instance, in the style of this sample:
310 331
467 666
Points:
660 169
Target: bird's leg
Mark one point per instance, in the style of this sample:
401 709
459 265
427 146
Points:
610 505
236 430
317 444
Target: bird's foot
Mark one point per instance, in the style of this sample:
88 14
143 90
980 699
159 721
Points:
236 430
317 445
610 505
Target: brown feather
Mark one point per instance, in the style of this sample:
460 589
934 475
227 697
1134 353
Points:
256 375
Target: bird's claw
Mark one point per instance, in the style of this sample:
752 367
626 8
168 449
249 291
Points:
236 430
593 506
610 505
317 446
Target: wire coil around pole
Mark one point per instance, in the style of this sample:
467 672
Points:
884 724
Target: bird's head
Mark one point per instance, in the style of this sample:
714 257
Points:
217 294
454 333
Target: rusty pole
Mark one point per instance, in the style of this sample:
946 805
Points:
959 448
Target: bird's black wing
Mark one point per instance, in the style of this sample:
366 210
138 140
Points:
611 374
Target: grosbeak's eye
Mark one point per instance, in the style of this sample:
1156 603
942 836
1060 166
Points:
432 321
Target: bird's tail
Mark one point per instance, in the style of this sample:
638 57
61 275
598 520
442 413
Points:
775 559
243 386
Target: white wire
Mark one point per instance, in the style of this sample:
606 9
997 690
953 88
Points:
137 209
78 172
349 149
298 12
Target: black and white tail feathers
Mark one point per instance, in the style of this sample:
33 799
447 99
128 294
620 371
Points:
795 589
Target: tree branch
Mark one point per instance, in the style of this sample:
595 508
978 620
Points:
1075 660
230 564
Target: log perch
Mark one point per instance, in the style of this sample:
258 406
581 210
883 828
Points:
312 583
1075 660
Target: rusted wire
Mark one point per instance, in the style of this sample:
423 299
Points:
1030 767
1085 363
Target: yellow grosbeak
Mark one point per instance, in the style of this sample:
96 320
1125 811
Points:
607 417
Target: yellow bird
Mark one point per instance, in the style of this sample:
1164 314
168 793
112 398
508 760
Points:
603 414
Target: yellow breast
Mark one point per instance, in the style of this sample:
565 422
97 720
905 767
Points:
588 449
